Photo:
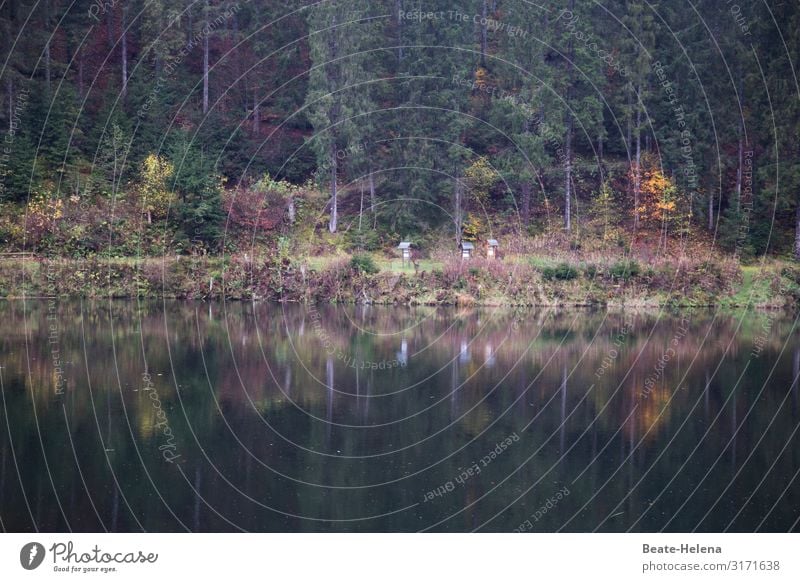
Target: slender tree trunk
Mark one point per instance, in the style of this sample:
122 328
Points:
600 152
372 205
334 194
629 133
484 31
740 168
206 34
398 9
80 71
10 90
7 48
637 174
334 77
458 217
570 127
110 27
361 204
568 176
124 53
710 210
256 112
47 65
526 202
797 232
157 64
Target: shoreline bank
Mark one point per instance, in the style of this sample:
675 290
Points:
464 285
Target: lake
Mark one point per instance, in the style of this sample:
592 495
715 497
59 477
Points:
176 416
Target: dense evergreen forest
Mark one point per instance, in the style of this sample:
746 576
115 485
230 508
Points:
146 128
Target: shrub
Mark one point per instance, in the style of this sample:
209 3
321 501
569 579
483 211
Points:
792 274
624 270
366 239
591 271
253 211
363 263
562 272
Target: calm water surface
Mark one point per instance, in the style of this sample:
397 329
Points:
127 416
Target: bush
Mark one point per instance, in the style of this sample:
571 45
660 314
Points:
792 274
591 271
562 272
624 270
367 240
363 263
254 211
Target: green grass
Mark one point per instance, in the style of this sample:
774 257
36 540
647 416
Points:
322 262
540 263
397 266
394 265
755 288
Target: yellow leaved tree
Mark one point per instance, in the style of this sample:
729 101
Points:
661 202
479 179
154 193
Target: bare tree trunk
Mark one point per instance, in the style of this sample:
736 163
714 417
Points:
568 176
740 169
124 52
710 210
526 202
80 71
637 180
484 31
568 137
334 194
600 153
797 232
334 79
458 218
206 34
256 112
47 65
10 89
7 48
372 206
361 206
110 27
398 9
629 133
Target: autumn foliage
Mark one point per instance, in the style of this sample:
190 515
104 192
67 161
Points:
659 197
261 208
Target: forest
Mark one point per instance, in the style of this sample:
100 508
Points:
300 142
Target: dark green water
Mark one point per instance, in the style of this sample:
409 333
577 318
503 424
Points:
123 416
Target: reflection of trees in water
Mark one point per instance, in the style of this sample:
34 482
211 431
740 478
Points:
470 375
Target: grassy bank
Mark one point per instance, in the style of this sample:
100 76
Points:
340 279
